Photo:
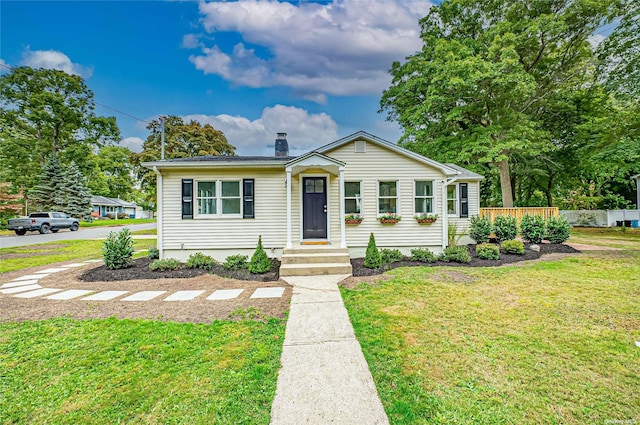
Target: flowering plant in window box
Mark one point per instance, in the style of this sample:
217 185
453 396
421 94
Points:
353 218
426 218
389 218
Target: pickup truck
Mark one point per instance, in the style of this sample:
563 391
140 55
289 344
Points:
43 222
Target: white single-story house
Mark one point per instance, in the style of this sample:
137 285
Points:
219 205
101 206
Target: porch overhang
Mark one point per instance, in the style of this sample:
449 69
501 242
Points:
314 160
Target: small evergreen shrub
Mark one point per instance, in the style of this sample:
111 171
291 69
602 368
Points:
372 258
117 250
235 262
512 247
423 255
391 255
200 261
259 261
505 227
456 254
558 229
164 265
480 229
153 253
533 228
487 251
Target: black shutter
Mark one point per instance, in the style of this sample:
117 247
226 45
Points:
464 200
187 199
248 200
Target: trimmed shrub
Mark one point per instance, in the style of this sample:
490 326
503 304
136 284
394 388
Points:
235 262
505 227
456 254
512 247
487 251
153 253
117 250
533 228
164 265
558 229
391 255
259 261
423 255
480 229
200 261
372 258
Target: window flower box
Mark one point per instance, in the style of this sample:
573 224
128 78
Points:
389 218
425 218
353 218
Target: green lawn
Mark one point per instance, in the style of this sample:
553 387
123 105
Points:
67 371
23 257
544 343
120 222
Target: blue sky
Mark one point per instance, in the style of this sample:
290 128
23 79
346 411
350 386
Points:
250 68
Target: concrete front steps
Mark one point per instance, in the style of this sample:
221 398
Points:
315 260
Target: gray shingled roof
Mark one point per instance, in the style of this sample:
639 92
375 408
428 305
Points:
225 158
103 200
465 174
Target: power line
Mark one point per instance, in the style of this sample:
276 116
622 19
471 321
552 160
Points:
94 101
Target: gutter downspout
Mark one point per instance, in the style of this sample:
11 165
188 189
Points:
445 218
159 209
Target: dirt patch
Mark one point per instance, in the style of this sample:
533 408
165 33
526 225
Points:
140 270
26 255
198 310
360 270
453 276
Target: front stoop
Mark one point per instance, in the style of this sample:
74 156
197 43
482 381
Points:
315 260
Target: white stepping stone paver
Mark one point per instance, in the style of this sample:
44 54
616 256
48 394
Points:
144 296
225 294
19 283
38 293
275 292
183 295
105 295
67 295
23 288
73 265
93 261
31 276
53 270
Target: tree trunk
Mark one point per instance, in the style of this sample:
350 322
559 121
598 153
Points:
548 192
505 183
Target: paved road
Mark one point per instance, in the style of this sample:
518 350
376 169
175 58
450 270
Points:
32 238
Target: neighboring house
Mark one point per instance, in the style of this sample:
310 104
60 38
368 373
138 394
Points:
219 205
101 206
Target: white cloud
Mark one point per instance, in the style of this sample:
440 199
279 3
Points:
133 143
3 66
191 41
340 48
53 59
305 131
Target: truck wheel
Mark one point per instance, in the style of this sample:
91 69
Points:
74 227
21 232
44 228
54 230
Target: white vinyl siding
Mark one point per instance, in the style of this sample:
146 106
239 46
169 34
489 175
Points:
380 164
225 232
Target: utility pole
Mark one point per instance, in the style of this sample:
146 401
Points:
162 140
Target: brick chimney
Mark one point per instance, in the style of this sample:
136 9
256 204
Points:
282 146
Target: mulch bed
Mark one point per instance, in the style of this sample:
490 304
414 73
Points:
546 248
140 270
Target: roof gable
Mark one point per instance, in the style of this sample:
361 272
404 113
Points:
363 135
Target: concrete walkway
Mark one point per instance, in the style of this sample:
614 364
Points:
324 376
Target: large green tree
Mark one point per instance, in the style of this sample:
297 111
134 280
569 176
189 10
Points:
476 92
182 140
112 173
47 111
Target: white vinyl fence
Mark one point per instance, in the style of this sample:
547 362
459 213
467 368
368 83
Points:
602 218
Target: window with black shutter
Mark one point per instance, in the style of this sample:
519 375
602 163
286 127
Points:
464 200
187 199
248 200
